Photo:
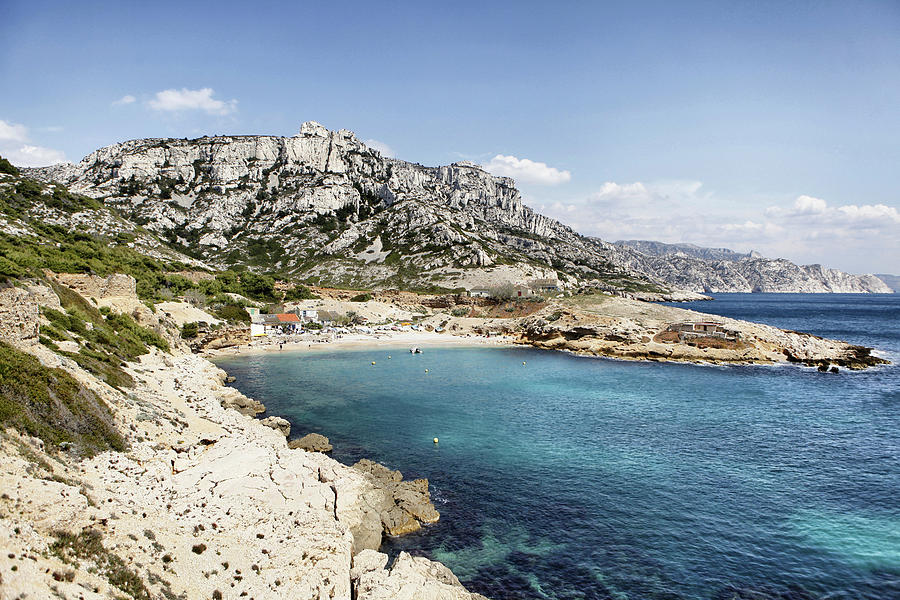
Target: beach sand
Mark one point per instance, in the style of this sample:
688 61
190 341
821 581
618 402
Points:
383 339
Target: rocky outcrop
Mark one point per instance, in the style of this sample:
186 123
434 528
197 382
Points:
231 398
311 442
279 424
117 285
19 315
430 580
689 267
622 328
404 505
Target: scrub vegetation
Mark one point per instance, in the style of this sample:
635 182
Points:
53 406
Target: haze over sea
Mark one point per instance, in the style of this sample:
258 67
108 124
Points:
571 477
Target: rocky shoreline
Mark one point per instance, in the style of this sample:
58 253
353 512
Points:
621 328
205 501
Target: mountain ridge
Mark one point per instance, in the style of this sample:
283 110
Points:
324 207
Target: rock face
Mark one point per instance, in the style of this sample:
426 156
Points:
430 580
689 267
321 204
279 424
116 285
231 398
19 316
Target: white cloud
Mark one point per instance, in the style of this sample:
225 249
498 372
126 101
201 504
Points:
10 132
126 99
15 146
856 238
34 156
816 211
381 147
185 99
525 170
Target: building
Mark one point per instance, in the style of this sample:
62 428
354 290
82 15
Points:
261 325
328 317
544 285
523 291
695 329
480 293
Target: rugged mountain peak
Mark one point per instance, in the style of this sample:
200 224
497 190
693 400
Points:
323 205
313 128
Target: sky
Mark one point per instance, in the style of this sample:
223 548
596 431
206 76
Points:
771 126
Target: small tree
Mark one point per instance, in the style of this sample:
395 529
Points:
299 292
7 167
195 298
190 330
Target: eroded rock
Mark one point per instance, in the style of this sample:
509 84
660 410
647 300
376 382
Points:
279 424
311 442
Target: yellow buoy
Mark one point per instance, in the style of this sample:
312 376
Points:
426 370
435 440
389 358
523 362
373 362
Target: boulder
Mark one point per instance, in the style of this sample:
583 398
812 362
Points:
403 505
278 424
426 579
231 398
311 442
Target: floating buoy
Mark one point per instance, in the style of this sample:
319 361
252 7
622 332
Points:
435 440
426 370
523 362
373 362
389 358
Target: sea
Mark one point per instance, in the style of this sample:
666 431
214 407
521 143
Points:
560 476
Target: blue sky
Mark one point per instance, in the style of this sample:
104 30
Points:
752 125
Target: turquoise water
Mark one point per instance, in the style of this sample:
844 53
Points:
571 477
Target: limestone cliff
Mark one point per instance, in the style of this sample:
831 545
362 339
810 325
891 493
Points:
689 267
322 205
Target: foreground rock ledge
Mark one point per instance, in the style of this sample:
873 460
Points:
206 499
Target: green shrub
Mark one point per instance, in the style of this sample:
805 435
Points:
7 167
299 292
459 312
51 405
234 313
190 331
361 298
88 545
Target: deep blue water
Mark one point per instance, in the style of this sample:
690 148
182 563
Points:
571 477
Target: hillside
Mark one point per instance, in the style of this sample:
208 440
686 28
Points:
698 269
323 207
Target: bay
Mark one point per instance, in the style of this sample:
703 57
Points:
571 477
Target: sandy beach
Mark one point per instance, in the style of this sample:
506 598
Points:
382 339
